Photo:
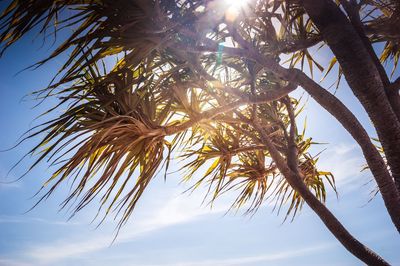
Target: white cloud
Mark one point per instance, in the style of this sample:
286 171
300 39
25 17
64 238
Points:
345 161
10 185
10 262
25 219
180 209
282 255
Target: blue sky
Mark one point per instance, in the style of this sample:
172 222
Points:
170 228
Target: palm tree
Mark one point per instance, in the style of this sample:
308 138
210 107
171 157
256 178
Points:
204 78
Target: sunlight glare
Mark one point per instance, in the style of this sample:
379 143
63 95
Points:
233 10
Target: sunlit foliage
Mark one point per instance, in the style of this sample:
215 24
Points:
181 85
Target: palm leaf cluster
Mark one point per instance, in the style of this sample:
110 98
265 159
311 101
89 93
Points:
120 125
383 25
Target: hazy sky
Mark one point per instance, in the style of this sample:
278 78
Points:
171 228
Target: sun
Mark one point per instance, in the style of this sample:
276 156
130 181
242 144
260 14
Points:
233 10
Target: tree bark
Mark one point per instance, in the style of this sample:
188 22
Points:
361 74
352 11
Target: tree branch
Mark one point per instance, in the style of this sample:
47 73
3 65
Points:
269 96
331 222
375 162
292 152
362 75
335 107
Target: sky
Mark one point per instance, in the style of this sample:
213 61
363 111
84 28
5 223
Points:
169 227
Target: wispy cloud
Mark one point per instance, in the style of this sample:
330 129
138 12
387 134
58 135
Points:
181 209
10 185
24 219
345 161
283 255
50 259
247 260
10 262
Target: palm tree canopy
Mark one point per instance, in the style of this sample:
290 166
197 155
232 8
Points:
181 84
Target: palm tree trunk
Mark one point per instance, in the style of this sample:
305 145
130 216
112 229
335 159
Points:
335 227
390 194
361 74
387 186
331 222
352 11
